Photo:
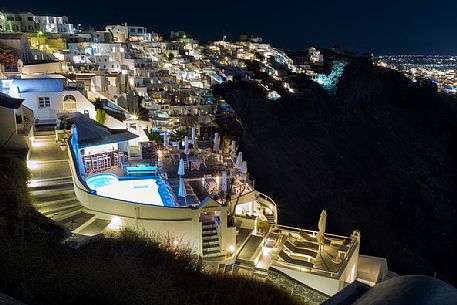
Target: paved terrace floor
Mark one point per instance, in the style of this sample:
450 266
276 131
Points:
46 159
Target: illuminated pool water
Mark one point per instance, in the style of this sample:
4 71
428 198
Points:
153 191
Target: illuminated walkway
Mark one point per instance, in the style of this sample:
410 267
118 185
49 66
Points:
51 187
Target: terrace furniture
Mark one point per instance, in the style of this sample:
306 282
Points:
117 160
307 237
87 164
312 239
106 161
308 253
101 162
141 170
285 257
95 164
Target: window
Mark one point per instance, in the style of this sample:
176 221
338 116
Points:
30 18
10 18
44 102
18 18
69 103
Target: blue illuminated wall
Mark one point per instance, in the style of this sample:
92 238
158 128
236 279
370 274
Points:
330 82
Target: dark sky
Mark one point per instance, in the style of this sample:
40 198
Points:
383 27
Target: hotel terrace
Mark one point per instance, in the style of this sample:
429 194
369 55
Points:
202 196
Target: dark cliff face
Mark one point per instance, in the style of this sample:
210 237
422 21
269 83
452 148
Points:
379 156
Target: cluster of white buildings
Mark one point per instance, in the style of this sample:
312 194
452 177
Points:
195 188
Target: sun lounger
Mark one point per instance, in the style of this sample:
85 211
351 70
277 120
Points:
308 253
285 257
141 170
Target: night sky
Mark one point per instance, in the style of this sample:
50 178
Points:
383 27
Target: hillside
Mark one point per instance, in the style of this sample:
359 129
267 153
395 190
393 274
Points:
379 156
126 268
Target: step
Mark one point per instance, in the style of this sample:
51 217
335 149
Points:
216 253
211 248
52 192
270 218
97 226
76 220
59 207
210 243
58 216
210 238
55 186
209 226
39 183
207 232
46 203
52 197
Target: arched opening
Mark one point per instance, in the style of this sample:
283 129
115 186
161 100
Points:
69 103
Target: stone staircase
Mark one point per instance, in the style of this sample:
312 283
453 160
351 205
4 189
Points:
210 240
52 187
55 198
270 219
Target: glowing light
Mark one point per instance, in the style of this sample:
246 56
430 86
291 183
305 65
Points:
32 164
37 144
231 248
122 50
115 224
175 243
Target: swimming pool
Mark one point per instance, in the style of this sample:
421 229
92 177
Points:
153 191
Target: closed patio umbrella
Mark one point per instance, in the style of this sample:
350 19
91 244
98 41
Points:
216 143
322 226
239 160
224 181
244 168
182 189
186 146
181 171
166 140
233 149
194 137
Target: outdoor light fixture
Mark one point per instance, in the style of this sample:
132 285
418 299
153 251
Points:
115 224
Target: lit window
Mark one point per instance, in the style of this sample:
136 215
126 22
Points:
44 102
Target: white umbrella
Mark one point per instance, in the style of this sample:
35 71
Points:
166 141
244 168
186 145
224 181
181 170
322 226
239 160
216 143
233 150
182 189
194 137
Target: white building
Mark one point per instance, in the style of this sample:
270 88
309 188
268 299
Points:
124 32
16 123
47 97
52 24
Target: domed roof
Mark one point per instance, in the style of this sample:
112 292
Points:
410 289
